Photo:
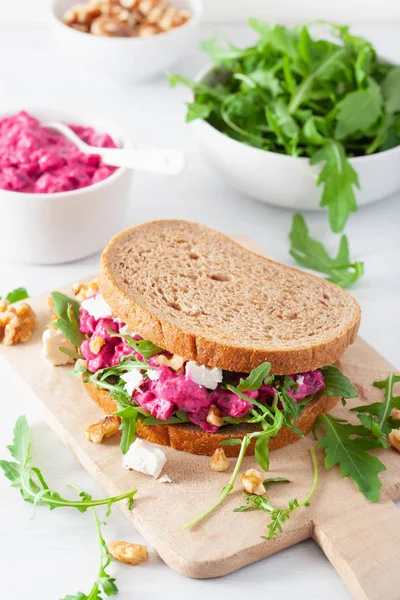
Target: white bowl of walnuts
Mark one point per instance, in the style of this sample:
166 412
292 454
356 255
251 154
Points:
127 40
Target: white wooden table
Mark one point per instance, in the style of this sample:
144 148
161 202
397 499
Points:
56 554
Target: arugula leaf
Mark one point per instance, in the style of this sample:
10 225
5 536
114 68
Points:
72 353
231 442
358 111
349 447
310 253
272 423
377 417
254 502
255 379
17 295
31 483
197 111
129 416
67 310
339 179
62 304
272 480
279 515
103 581
179 417
146 348
391 90
337 384
291 410
261 452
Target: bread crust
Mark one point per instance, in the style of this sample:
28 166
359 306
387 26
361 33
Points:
190 438
225 355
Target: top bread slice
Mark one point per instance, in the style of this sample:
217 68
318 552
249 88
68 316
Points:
197 293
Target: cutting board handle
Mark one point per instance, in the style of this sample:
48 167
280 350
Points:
364 548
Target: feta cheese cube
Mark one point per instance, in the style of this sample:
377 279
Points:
144 457
300 379
133 379
52 339
153 374
164 479
125 330
97 307
208 377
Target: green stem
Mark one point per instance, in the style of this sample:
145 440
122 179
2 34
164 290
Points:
87 503
388 395
315 479
298 98
229 487
94 592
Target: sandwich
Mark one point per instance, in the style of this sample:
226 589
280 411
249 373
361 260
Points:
195 341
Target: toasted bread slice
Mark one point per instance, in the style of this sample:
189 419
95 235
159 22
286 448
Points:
192 439
196 293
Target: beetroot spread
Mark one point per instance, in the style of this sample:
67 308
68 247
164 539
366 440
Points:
34 160
164 391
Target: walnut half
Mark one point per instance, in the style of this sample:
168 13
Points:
218 461
85 290
252 482
16 322
104 428
394 439
132 554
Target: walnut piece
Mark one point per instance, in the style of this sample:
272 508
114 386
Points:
16 322
175 362
96 344
252 482
218 461
394 439
85 290
82 14
395 414
104 428
111 27
132 554
214 417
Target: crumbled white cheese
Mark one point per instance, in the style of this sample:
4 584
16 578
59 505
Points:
153 374
97 307
52 339
300 379
144 457
125 330
164 479
208 377
133 379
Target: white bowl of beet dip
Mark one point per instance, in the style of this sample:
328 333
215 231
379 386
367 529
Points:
57 204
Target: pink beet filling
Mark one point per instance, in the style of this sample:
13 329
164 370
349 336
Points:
34 160
199 417
169 391
308 384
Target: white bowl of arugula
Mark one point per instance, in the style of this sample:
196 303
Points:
300 122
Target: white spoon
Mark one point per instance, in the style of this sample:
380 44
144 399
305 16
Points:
167 162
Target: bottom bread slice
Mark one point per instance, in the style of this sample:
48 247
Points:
190 438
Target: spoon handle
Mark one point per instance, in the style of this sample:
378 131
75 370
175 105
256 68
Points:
167 162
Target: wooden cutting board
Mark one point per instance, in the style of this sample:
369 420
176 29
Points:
361 539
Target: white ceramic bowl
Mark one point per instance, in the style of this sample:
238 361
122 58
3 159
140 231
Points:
124 59
66 226
284 180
